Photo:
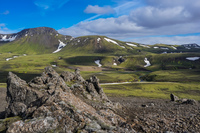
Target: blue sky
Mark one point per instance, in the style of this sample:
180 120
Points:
143 21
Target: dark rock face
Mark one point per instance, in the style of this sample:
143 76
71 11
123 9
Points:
66 103
173 97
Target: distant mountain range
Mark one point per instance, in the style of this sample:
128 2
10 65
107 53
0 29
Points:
47 40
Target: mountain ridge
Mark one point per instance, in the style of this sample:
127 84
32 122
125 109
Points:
43 40
34 40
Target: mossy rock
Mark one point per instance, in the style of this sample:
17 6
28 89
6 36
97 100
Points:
5 123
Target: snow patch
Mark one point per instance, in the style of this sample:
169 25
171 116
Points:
144 46
24 54
85 39
164 48
122 47
60 46
98 39
98 63
71 38
53 65
155 47
11 38
78 41
15 56
131 44
26 35
109 40
7 59
173 47
115 64
147 62
193 58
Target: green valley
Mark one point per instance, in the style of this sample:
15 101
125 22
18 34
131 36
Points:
160 65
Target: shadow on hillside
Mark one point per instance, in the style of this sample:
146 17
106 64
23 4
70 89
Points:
82 60
25 76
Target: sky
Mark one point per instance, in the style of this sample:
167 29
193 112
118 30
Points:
142 21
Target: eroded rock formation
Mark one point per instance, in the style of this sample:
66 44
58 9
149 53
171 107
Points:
61 103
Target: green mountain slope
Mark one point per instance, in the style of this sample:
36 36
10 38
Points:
30 50
39 40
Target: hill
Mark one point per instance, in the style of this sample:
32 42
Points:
39 40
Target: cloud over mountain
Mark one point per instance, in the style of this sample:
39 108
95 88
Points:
5 30
155 18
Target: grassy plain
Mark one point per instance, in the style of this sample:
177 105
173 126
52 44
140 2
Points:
161 90
168 73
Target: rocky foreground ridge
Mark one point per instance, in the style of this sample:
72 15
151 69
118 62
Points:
61 103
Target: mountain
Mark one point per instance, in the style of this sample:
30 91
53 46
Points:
95 45
44 40
32 41
189 46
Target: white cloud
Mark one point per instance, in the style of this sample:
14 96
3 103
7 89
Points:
168 40
2 25
99 10
157 18
107 26
50 4
5 30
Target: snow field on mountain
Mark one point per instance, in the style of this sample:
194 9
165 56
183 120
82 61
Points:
147 62
98 63
192 58
60 46
130 44
11 38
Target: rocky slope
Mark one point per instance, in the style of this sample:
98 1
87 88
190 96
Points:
160 115
61 103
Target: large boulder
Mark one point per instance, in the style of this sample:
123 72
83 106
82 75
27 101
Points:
49 104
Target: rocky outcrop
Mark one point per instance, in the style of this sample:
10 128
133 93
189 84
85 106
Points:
183 101
173 97
66 103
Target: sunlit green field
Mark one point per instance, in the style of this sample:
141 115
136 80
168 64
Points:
170 73
3 85
161 90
